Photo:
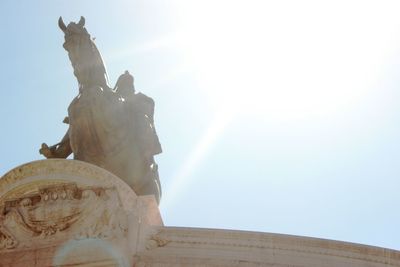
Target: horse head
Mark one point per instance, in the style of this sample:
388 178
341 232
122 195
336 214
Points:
86 60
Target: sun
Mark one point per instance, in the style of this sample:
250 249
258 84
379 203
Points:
283 59
279 61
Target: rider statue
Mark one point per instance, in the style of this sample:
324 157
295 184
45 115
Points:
111 128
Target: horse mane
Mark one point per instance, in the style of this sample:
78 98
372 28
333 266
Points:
100 67
92 68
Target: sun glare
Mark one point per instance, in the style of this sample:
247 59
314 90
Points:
281 60
285 59
181 178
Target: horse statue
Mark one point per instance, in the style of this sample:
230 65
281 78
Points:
112 128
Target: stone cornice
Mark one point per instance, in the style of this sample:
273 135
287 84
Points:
261 245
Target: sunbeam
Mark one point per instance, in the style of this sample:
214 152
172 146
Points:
277 60
182 179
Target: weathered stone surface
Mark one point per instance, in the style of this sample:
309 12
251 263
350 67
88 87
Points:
28 178
71 213
175 246
67 212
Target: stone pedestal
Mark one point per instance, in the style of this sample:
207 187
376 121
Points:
70 213
66 212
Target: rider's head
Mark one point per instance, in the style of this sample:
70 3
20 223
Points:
125 83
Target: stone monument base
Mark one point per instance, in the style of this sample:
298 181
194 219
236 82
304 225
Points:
70 213
60 212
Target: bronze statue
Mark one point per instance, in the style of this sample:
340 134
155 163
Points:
111 128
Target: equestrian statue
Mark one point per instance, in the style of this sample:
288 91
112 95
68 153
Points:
112 128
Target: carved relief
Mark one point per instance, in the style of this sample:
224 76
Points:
53 209
7 241
156 241
60 211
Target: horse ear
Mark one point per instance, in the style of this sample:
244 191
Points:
61 24
81 22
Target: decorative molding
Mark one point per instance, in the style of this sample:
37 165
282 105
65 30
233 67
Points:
177 239
27 178
156 241
59 211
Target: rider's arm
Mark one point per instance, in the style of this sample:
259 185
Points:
60 150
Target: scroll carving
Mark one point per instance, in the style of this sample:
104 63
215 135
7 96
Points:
62 210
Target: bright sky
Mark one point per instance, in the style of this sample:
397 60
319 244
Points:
274 116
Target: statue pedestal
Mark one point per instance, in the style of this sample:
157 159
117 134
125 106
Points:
71 213
66 212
